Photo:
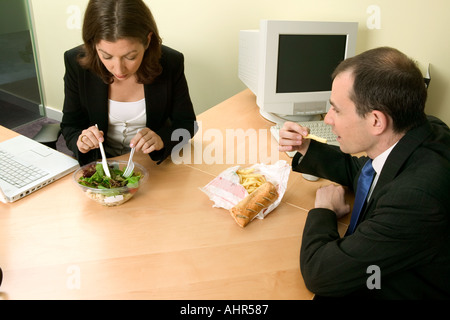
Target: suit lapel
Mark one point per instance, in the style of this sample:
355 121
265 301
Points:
97 99
397 158
155 99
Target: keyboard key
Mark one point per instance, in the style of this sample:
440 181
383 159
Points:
318 128
16 173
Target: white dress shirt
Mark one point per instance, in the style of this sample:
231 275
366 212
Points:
378 164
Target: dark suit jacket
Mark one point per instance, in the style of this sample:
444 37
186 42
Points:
168 104
404 230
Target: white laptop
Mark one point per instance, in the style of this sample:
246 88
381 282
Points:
27 165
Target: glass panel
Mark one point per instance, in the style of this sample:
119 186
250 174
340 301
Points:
20 97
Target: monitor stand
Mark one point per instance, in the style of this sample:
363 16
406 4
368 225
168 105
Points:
280 119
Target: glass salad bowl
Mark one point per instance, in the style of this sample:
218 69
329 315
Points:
107 191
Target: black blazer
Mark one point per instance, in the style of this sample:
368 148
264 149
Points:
168 104
404 230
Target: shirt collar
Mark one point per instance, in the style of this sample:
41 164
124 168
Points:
379 161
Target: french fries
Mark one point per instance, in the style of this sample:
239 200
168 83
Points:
249 179
314 137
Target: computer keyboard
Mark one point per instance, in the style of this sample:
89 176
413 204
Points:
318 128
16 173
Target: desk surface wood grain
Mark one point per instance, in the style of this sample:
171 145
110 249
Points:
167 242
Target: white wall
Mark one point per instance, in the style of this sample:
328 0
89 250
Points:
206 31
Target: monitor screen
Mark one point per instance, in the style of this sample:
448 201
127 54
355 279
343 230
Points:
288 65
306 62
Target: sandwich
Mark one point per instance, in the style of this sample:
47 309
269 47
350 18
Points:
254 203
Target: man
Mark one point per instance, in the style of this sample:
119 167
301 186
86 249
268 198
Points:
400 245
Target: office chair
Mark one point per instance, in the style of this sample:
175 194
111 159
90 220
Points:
48 135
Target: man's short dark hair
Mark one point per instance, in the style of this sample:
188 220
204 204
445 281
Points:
387 80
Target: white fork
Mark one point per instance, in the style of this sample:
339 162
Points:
130 165
104 162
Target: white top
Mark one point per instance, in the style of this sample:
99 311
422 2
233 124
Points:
125 120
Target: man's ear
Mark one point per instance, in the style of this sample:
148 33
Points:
380 122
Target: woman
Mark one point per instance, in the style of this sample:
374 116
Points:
126 82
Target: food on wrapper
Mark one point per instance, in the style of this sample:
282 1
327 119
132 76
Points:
107 191
251 205
236 186
249 179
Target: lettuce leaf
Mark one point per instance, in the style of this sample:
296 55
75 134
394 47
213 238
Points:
96 178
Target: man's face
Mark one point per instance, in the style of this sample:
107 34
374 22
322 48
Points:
352 130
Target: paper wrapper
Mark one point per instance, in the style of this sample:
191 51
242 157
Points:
226 191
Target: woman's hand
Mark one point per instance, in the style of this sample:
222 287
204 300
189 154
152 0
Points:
89 139
147 141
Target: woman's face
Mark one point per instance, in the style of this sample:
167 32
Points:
122 58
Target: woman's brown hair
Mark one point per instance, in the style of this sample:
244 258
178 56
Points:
111 20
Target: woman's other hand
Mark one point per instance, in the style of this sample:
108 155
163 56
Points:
147 141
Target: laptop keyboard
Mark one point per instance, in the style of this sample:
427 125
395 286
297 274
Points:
17 174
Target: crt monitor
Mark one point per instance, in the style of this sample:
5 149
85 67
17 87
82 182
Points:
288 65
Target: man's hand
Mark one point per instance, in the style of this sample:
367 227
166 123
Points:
332 197
292 138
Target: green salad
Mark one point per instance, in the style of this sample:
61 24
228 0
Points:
94 177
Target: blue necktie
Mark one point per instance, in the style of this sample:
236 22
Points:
364 183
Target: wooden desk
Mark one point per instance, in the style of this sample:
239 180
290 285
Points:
167 242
